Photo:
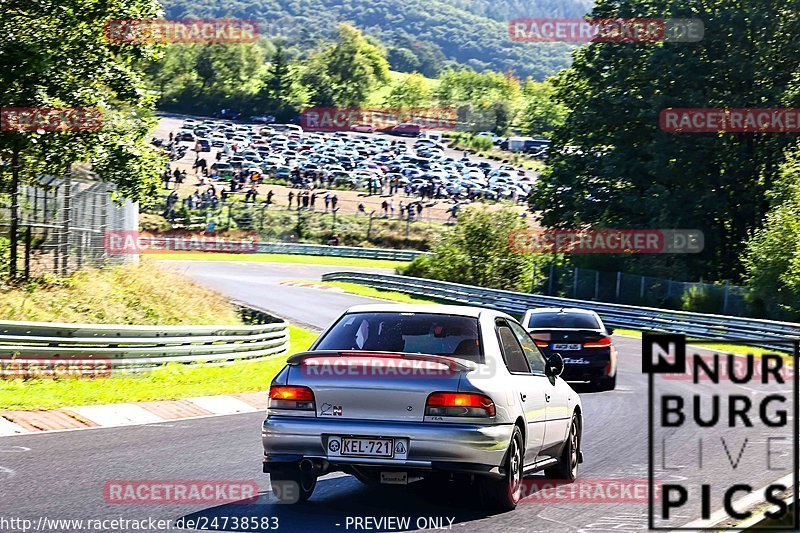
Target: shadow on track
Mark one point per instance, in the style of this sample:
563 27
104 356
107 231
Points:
338 501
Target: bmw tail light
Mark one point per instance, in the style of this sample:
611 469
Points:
468 404
603 342
291 397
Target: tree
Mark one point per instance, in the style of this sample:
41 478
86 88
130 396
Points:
483 99
408 91
65 60
348 70
540 114
772 257
477 251
278 93
611 166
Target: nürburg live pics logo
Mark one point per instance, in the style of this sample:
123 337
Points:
722 433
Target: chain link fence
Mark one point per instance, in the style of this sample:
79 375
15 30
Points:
62 223
633 289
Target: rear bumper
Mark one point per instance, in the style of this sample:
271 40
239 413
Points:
426 446
584 373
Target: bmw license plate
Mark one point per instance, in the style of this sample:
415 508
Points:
566 346
367 447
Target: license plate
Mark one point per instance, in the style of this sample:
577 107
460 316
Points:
566 346
367 447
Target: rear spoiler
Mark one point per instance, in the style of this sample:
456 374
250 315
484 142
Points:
452 362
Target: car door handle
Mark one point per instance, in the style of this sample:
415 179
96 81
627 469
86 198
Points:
523 397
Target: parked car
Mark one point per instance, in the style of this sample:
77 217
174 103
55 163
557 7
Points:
185 135
407 129
583 340
363 128
483 404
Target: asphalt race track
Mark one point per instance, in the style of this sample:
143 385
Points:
62 475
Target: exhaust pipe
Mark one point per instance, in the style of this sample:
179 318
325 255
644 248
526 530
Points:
313 466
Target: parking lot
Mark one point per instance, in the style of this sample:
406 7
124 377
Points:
368 172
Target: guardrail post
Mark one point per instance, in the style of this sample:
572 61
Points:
641 289
596 284
725 299
550 281
575 284
619 276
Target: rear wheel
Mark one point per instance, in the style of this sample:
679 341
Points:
606 383
503 494
290 484
567 467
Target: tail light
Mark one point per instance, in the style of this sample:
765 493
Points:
603 342
291 397
542 340
459 404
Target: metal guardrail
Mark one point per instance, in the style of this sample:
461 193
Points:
698 325
141 347
180 244
337 251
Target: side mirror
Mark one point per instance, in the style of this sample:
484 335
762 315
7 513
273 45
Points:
554 365
610 331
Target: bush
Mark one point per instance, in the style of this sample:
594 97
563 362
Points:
477 251
701 299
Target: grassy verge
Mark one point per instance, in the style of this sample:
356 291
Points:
169 382
279 258
279 224
372 292
133 294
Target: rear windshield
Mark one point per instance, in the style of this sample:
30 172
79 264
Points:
563 320
426 333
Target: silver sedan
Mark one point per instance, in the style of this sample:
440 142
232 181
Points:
397 393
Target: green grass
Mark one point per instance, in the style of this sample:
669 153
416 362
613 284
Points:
372 292
280 258
166 383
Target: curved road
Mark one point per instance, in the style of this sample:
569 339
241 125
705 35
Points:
62 475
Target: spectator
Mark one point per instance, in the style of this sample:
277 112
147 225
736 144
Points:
251 195
268 201
327 201
334 201
291 197
313 200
